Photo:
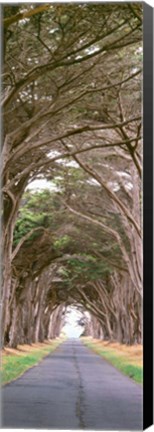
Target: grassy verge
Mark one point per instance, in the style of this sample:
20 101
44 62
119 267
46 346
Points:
128 359
14 362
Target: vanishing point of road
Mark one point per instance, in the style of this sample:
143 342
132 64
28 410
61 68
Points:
72 388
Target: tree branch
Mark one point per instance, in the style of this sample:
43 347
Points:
16 250
22 15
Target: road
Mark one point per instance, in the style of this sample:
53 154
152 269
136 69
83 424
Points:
73 388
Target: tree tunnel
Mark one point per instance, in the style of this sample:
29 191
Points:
61 260
72 120
53 271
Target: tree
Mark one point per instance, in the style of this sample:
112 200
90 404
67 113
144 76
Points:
70 262
53 84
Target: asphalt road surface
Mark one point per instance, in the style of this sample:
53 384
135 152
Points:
73 388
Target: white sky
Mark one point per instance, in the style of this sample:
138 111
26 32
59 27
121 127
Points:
71 328
41 184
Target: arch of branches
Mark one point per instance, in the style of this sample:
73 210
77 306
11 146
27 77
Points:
72 115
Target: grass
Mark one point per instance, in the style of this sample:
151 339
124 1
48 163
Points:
14 362
128 359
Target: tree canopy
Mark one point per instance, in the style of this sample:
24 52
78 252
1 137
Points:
72 115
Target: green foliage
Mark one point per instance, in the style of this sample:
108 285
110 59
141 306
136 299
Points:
88 268
61 242
36 211
44 209
25 223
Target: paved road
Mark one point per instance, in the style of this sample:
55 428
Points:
72 389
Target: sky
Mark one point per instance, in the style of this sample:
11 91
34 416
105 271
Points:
71 328
41 184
